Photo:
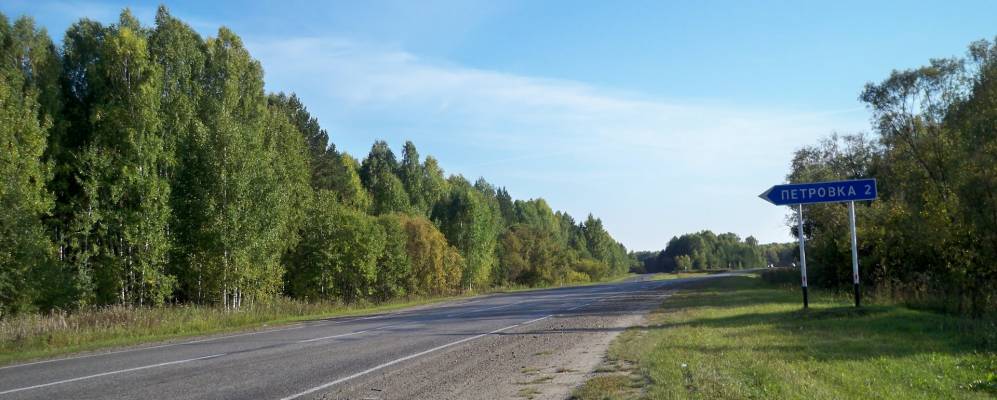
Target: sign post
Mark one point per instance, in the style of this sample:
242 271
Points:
803 255
824 192
855 253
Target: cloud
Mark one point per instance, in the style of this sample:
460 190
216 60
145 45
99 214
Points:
585 148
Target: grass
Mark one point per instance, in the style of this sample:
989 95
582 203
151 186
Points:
740 337
679 275
35 336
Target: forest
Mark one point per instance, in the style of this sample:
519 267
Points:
706 250
145 166
931 237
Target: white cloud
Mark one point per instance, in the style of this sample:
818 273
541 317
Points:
583 147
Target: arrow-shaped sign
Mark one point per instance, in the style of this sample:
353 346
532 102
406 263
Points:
821 192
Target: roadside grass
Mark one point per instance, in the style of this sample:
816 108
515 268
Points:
740 337
36 336
663 276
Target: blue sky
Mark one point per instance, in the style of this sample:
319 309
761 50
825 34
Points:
661 118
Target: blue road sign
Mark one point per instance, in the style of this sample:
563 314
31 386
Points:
821 192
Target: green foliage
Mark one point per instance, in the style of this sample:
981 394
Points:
338 254
931 237
471 223
143 166
394 269
24 246
706 250
436 265
124 207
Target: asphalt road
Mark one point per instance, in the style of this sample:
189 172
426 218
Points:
441 351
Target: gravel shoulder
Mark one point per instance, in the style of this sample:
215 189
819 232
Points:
543 360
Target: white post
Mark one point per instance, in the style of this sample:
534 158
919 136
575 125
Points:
855 253
803 256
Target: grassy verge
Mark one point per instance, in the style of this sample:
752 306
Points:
28 337
740 337
679 275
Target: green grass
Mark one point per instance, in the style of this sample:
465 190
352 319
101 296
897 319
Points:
679 275
739 337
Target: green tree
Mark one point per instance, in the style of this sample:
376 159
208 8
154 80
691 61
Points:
338 254
124 208
24 245
472 225
412 176
393 266
345 183
182 54
436 265
323 158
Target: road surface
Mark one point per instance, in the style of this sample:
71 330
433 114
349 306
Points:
532 344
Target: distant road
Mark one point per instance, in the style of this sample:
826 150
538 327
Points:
485 347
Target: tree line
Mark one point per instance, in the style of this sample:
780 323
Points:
147 165
706 250
931 237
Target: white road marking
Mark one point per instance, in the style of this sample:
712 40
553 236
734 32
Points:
406 358
110 373
335 336
211 339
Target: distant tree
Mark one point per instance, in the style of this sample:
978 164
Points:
683 263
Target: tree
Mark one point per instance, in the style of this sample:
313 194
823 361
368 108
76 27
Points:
338 254
346 185
412 176
388 194
182 54
250 175
435 186
393 266
470 223
322 155
379 163
24 245
436 265
124 208
683 263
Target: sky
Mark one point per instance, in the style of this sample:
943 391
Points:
660 118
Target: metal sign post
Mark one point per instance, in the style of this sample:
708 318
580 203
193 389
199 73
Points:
855 253
803 255
824 192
